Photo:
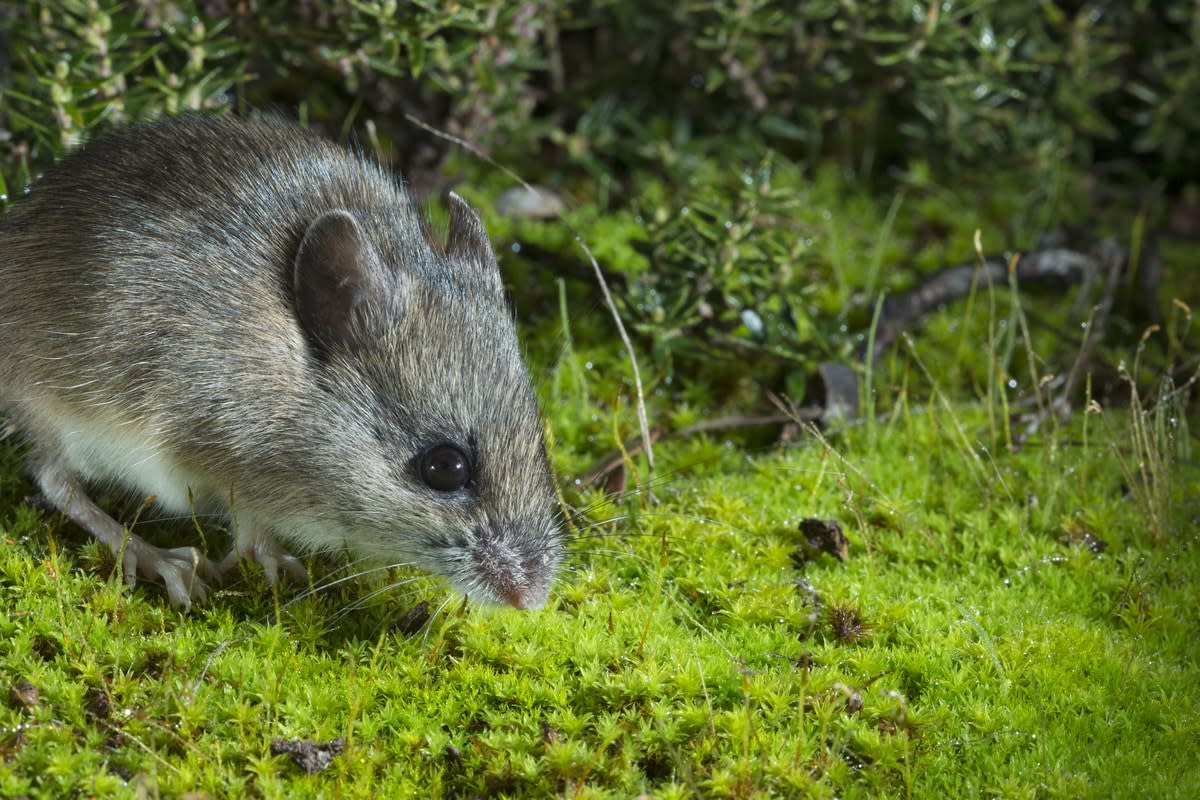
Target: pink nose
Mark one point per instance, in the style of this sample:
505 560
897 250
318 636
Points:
515 598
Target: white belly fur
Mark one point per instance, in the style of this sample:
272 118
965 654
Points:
121 454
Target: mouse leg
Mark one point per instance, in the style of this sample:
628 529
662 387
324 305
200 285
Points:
178 568
251 543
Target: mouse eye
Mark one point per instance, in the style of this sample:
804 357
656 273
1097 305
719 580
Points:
444 468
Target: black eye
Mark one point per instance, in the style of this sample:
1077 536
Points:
444 468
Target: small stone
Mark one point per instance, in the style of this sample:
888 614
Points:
535 202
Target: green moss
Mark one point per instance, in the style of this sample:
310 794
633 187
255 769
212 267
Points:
679 656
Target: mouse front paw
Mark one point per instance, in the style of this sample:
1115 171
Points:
267 554
179 568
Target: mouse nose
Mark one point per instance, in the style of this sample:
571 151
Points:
511 570
529 594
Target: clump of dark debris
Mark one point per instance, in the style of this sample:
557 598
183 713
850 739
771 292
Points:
821 536
310 756
24 695
411 622
1078 537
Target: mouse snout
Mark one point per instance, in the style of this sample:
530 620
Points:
517 600
512 570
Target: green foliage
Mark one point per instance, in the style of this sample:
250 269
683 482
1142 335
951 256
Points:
871 83
77 65
729 267
752 251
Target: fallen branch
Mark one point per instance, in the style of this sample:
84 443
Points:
1057 268
1115 257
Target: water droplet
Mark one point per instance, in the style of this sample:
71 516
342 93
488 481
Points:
753 323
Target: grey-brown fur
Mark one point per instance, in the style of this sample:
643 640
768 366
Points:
148 310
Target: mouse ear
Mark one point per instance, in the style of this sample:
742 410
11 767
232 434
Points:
468 242
336 272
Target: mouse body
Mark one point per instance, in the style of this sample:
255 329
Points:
242 318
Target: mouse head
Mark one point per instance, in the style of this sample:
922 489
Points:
431 443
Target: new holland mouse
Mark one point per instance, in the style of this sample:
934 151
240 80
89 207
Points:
243 318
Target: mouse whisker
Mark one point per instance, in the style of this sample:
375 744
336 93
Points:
432 617
364 600
326 585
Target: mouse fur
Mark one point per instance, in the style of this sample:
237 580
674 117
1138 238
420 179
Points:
242 318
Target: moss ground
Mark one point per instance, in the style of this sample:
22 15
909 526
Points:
973 644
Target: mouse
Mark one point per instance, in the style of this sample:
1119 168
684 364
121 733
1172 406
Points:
239 317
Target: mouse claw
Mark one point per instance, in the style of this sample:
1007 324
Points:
269 556
178 568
